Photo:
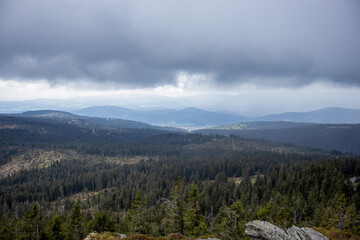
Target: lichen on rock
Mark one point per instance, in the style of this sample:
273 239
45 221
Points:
262 230
104 236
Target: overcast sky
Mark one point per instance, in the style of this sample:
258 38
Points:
182 48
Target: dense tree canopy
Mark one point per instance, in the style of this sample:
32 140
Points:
164 183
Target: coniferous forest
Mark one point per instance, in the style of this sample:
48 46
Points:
61 180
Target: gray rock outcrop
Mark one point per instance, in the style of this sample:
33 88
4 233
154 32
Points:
266 231
104 235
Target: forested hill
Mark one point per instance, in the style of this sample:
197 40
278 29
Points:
89 122
261 125
194 117
325 115
339 137
74 133
60 180
188 117
52 114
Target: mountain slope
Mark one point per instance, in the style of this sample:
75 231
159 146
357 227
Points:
47 114
261 125
325 115
41 130
88 122
194 117
191 117
340 137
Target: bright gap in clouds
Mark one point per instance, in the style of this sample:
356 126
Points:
186 85
193 90
14 90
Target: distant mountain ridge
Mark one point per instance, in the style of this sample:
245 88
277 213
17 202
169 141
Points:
188 117
47 114
261 125
324 115
89 122
195 117
339 137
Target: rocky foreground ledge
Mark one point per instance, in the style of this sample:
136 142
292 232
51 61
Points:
261 230
258 230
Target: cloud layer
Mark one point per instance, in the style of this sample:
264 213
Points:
135 44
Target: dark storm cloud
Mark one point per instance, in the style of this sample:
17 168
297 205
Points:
146 43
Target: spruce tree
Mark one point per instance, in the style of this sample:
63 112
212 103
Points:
33 224
104 222
137 218
168 221
266 212
56 228
283 218
75 227
340 211
352 220
231 221
8 229
194 222
178 200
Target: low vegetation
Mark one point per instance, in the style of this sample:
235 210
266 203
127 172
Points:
336 234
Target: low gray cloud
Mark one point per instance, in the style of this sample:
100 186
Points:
147 43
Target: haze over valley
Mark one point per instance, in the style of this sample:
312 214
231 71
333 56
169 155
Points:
179 119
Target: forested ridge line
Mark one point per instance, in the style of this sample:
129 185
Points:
178 183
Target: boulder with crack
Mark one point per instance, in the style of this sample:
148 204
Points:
262 230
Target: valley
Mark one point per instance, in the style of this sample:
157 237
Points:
119 170
179 120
